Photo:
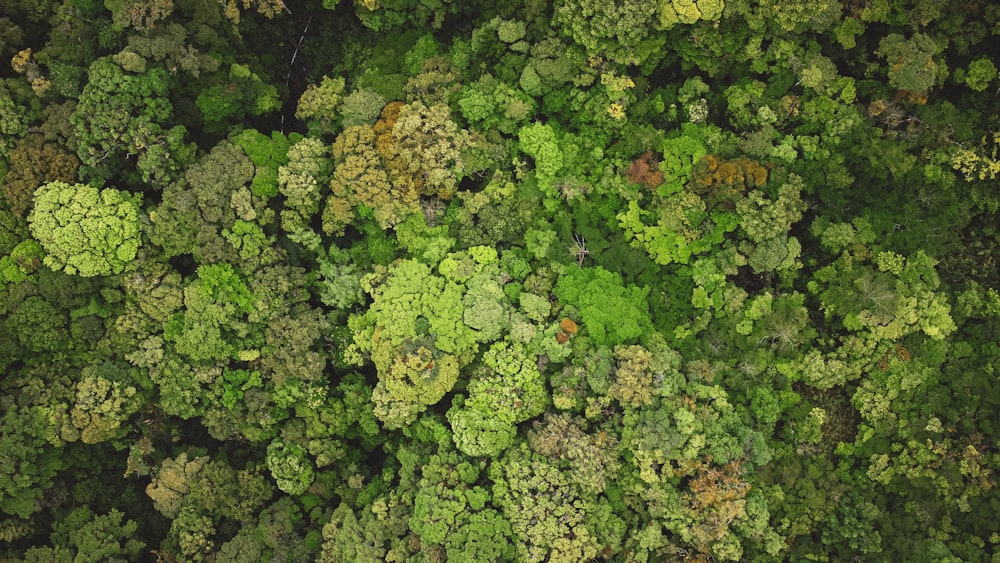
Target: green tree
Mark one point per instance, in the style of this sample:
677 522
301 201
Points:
673 12
610 312
425 150
214 324
301 182
545 508
245 93
89 537
198 207
980 74
508 389
121 114
105 399
31 462
766 224
413 308
590 459
85 230
139 14
292 470
319 104
490 104
813 15
361 107
539 141
911 61
12 124
622 31
422 327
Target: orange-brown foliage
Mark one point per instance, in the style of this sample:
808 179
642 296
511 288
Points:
722 182
719 484
715 500
903 353
646 171
384 143
568 325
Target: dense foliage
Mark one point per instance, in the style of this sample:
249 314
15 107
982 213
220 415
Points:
428 280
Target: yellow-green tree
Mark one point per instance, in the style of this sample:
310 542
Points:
85 230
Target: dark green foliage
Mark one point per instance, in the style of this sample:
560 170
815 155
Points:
91 538
196 208
31 461
244 94
122 115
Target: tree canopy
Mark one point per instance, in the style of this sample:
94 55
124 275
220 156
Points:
438 280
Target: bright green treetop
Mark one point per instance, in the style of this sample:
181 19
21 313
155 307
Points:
611 312
85 230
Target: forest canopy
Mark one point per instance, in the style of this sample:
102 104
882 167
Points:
580 280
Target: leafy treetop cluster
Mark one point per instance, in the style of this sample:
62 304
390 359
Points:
410 281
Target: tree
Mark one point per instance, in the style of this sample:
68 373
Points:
139 14
388 15
213 324
425 150
449 502
673 12
539 141
292 470
590 459
716 497
480 537
89 537
34 162
266 8
121 114
610 312
300 181
723 182
911 61
198 207
12 124
813 15
85 230
545 509
104 400
766 224
980 74
412 308
245 93
621 31
172 46
319 103
506 390
359 178
490 103
633 384
361 107
31 462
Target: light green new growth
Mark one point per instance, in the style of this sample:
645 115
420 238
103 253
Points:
86 231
